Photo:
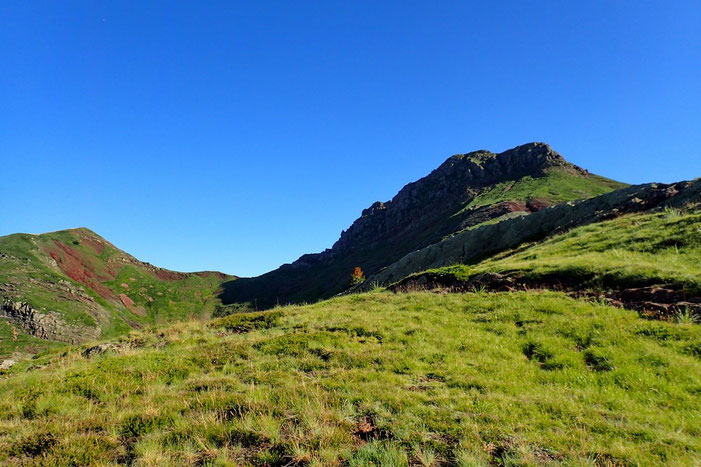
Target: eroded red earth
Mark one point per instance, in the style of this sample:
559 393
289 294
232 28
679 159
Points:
80 269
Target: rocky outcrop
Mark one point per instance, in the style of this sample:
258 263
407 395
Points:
7 364
472 245
50 326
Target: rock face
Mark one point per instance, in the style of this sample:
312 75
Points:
7 364
49 325
422 213
474 244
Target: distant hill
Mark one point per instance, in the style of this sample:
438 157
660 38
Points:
73 286
466 191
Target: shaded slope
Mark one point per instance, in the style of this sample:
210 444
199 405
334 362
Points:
381 379
73 285
466 190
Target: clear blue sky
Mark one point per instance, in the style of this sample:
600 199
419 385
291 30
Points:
239 135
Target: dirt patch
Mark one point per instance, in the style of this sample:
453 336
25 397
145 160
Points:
139 310
537 204
655 301
217 274
493 211
128 302
367 430
499 451
168 275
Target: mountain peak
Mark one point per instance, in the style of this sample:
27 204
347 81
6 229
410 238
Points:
450 187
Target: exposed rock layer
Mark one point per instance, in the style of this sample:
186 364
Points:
659 302
49 325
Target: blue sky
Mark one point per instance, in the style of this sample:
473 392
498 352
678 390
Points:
238 135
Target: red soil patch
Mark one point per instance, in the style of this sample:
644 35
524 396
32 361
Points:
537 204
78 268
128 302
139 310
124 285
167 275
217 274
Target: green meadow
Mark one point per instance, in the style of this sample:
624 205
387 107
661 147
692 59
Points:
370 379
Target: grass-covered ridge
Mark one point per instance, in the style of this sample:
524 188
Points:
555 185
468 379
662 248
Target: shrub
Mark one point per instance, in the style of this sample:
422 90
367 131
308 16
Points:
247 322
34 445
357 276
597 361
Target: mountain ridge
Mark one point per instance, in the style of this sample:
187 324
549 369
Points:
467 247
422 213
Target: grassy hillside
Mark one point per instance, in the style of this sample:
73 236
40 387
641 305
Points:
378 378
556 185
662 248
87 282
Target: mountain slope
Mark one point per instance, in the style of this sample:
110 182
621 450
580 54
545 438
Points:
371 379
465 191
473 245
73 285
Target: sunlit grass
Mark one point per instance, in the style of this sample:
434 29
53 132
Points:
635 250
389 379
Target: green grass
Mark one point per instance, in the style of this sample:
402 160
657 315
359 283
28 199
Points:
467 379
557 185
167 300
633 250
